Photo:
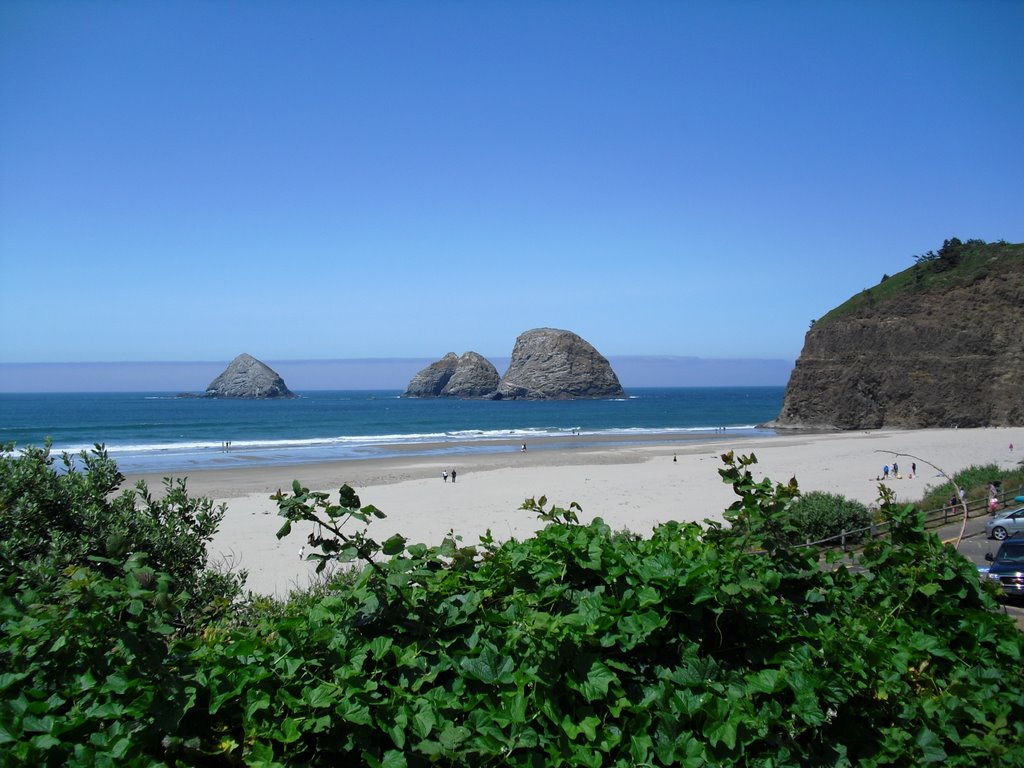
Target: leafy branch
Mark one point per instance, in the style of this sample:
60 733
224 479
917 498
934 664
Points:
334 544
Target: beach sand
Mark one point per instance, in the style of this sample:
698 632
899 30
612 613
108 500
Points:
634 487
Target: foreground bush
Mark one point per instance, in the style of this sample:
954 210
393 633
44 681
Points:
580 646
68 512
818 516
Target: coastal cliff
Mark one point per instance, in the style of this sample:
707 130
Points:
938 345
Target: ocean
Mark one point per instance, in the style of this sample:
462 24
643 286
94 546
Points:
151 432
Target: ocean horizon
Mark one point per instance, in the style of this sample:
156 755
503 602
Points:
154 432
348 374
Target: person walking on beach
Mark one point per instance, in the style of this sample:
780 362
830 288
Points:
885 472
444 475
453 475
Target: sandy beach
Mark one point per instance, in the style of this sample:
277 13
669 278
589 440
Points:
635 486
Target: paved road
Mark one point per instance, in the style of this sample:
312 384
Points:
973 546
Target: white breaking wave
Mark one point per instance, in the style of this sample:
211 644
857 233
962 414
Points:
355 441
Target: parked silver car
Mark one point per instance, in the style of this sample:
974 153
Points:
1005 523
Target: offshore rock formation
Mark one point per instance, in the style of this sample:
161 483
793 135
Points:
247 377
549 364
474 376
942 345
469 376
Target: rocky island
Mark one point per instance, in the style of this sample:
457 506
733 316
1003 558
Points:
248 378
469 376
546 364
940 344
550 364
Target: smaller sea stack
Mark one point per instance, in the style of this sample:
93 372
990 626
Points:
248 378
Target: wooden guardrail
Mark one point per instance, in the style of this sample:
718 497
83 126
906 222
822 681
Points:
935 518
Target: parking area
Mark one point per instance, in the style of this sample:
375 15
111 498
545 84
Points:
973 546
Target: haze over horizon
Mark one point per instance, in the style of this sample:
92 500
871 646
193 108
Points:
184 181
379 373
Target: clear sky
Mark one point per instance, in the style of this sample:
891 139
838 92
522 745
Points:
185 181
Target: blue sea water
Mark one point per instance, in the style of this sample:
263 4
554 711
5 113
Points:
158 432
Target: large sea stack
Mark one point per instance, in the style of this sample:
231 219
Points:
246 377
469 376
938 345
549 364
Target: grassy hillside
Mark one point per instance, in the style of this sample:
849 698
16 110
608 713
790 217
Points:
955 265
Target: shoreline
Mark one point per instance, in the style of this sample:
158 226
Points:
400 462
633 486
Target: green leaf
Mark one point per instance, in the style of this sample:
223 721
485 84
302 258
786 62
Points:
116 683
322 696
589 726
488 667
931 747
765 681
7 679
120 748
354 712
723 732
648 596
6 736
290 730
33 724
257 702
380 646
599 677
46 742
372 510
452 736
423 722
394 545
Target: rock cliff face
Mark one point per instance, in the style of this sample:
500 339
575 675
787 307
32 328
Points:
938 349
247 377
468 376
557 365
474 376
431 380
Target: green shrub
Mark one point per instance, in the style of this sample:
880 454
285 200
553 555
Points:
818 516
974 480
697 645
58 514
86 672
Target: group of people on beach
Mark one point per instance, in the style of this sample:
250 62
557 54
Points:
444 475
895 472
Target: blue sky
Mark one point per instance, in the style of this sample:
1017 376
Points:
185 181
